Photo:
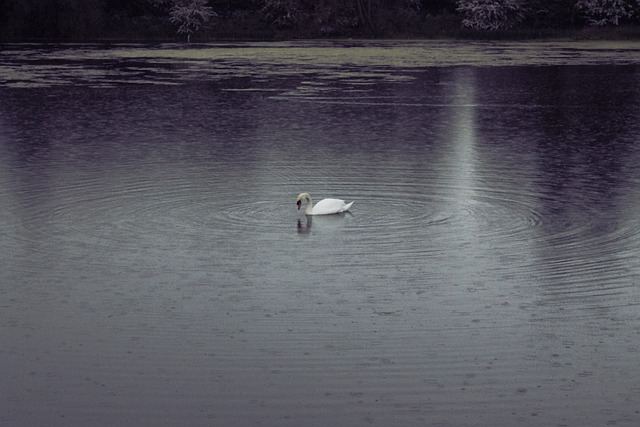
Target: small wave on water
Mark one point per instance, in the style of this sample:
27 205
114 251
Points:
574 250
153 256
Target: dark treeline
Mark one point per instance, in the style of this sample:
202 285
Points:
160 19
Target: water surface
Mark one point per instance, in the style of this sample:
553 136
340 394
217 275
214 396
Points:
155 268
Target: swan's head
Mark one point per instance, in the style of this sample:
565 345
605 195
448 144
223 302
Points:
301 197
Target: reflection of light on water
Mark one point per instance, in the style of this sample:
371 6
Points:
463 136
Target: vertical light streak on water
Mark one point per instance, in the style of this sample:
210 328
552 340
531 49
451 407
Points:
463 139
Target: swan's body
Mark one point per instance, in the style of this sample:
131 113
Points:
324 206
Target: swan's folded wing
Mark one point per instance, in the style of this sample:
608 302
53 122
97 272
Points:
328 206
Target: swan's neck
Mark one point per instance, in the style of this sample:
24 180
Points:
309 209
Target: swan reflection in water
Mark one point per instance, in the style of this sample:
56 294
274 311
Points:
305 228
323 224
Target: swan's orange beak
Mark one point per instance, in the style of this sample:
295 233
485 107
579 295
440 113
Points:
299 203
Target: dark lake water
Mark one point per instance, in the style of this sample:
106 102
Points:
154 270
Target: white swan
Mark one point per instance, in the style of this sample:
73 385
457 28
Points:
323 207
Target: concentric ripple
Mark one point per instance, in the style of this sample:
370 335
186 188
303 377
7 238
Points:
153 256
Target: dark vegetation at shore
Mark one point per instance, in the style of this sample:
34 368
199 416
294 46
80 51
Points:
202 20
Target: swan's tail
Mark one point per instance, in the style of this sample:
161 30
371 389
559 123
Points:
346 207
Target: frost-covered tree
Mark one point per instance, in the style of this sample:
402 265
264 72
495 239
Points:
190 16
606 12
491 14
